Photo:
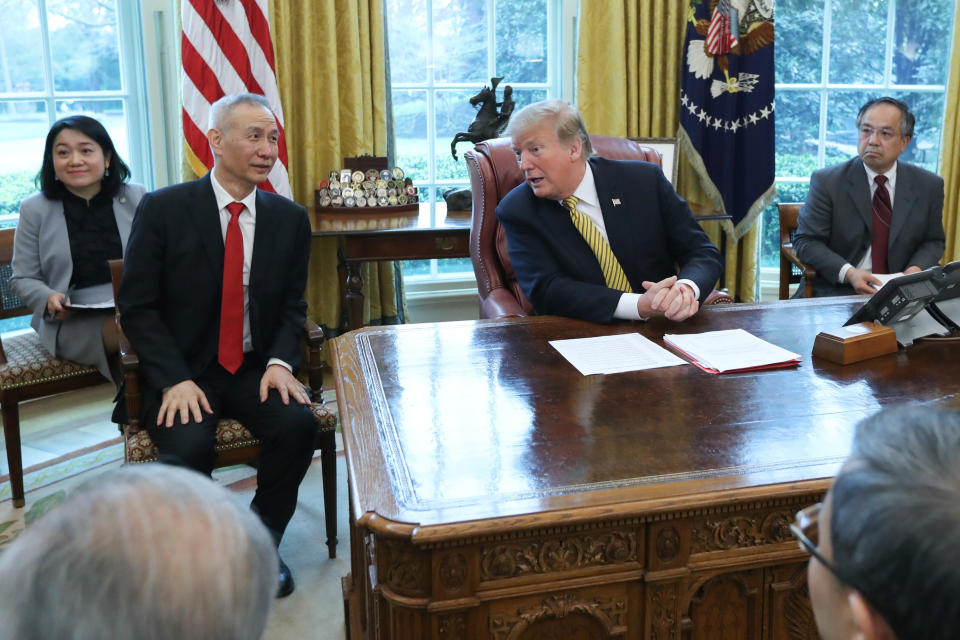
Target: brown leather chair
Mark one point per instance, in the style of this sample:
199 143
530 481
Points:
235 444
493 173
27 370
791 269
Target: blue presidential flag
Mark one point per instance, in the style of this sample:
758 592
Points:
726 105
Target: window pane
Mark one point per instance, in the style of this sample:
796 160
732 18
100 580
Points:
797 132
455 266
109 112
921 41
799 41
415 268
410 130
21 62
407 35
523 97
522 40
23 130
841 134
85 46
460 41
857 42
924 147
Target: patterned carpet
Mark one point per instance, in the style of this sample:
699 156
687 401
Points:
315 610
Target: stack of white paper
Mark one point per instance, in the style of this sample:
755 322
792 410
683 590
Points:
730 350
614 354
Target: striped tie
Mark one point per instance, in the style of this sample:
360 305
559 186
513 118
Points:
612 271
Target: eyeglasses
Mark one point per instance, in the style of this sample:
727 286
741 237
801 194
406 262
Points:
885 134
806 527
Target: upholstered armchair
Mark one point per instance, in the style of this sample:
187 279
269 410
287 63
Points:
493 173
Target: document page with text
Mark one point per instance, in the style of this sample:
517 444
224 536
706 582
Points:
615 354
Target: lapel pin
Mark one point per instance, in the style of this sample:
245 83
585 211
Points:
616 202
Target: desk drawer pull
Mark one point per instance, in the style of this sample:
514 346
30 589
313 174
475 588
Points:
444 244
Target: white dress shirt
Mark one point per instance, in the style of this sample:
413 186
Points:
589 205
867 261
248 223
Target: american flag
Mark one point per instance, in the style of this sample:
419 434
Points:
721 36
226 48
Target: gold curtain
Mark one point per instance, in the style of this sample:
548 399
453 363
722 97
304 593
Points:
950 146
628 84
330 73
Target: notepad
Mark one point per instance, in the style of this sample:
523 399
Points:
730 351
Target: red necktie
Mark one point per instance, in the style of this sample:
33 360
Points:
231 304
882 215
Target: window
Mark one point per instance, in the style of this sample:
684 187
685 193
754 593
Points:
834 55
65 57
441 53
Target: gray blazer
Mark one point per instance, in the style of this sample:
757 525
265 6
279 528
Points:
836 223
42 263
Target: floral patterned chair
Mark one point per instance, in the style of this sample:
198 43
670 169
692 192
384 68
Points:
27 370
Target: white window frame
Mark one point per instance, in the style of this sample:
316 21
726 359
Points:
561 42
770 276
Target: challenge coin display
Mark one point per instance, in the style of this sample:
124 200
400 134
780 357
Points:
371 189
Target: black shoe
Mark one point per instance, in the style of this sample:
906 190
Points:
285 585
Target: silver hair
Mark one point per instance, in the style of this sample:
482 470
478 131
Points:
220 111
152 552
894 518
567 121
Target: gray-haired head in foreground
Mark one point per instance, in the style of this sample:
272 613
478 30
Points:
568 124
895 519
151 552
220 111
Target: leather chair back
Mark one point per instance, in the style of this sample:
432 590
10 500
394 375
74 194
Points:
493 173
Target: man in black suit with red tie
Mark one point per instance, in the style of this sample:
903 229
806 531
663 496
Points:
212 301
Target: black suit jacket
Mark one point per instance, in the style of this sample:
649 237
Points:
169 299
651 231
836 223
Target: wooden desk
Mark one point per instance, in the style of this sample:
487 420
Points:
497 493
401 236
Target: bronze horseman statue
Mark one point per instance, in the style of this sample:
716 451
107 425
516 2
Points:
489 123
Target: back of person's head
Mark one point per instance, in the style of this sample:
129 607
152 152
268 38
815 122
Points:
151 552
219 117
895 518
567 121
92 128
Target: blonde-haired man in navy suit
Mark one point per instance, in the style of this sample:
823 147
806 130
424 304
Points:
668 264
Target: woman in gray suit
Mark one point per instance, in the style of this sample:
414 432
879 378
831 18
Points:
66 233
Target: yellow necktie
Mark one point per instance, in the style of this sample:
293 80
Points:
612 271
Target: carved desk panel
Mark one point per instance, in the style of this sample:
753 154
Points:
497 493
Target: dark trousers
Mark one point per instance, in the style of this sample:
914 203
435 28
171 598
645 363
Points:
287 433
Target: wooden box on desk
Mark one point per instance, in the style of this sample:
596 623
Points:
854 343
